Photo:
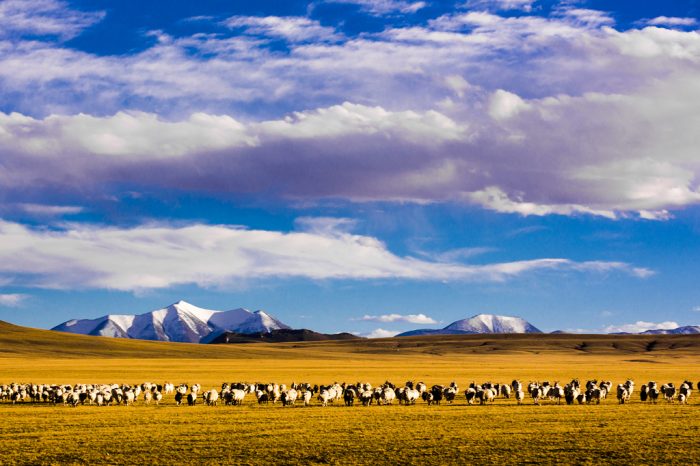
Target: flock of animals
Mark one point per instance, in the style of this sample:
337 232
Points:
593 391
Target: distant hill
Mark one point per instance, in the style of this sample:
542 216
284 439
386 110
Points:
17 341
181 322
281 336
479 324
686 330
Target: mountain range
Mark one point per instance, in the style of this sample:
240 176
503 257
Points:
685 330
481 323
180 322
185 322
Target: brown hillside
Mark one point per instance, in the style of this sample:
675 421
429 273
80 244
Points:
16 341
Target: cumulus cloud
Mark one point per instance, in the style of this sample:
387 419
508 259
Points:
641 326
380 333
345 120
409 318
160 256
504 105
12 299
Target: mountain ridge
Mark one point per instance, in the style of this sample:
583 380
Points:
180 322
479 324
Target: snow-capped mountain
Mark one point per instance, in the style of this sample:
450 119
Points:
482 323
686 330
181 322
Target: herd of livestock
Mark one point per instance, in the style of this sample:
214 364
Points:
593 391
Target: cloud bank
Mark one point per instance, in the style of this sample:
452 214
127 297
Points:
517 113
161 256
409 318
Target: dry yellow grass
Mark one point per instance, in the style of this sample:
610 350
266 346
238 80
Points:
503 432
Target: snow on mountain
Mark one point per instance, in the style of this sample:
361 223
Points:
181 322
686 330
481 323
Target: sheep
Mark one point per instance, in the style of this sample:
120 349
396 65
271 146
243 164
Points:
486 395
505 391
451 393
262 397
684 392
557 392
437 392
306 396
571 392
622 394
129 397
349 395
629 386
536 392
644 393
388 396
470 395
669 391
325 397
211 397
366 397
237 396
596 394
653 392
411 395
289 397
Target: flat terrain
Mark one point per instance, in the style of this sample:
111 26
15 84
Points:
449 434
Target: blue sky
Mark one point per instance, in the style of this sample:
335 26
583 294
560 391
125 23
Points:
364 165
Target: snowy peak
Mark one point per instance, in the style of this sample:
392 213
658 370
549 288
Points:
261 322
685 330
489 323
481 323
180 322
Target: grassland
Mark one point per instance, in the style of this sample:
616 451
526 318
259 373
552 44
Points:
503 432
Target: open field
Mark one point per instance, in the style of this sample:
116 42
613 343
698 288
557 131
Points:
504 432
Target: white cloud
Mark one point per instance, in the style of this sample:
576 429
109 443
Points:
524 5
12 300
671 21
296 29
383 7
641 326
504 105
410 318
44 18
587 17
380 333
148 136
458 84
462 253
50 210
160 256
696 309
132 133
326 226
493 198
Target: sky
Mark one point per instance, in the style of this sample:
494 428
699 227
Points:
372 166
